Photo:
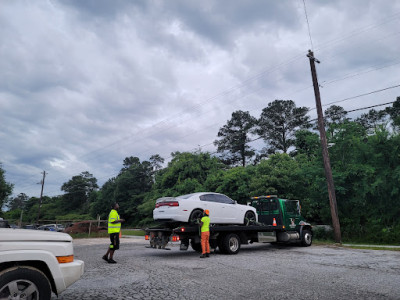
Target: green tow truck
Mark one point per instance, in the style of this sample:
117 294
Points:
279 221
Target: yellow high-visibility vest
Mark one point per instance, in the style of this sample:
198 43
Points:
206 224
113 227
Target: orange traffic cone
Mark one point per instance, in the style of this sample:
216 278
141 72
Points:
120 233
274 222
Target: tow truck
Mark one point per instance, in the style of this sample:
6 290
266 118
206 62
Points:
279 221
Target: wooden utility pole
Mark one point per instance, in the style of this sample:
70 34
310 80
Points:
325 154
41 195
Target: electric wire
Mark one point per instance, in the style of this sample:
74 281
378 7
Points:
355 32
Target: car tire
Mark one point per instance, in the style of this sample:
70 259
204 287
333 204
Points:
231 244
195 215
306 238
249 218
15 281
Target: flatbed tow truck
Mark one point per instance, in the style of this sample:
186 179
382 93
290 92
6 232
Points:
279 221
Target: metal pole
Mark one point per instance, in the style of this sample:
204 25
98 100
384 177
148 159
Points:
41 195
325 154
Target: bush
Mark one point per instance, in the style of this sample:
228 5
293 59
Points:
323 233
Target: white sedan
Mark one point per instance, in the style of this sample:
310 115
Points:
188 208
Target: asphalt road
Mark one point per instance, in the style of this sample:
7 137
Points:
259 271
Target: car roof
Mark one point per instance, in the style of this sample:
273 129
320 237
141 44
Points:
187 196
196 194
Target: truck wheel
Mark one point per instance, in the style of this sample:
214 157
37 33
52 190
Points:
306 238
249 218
24 283
231 244
195 246
195 215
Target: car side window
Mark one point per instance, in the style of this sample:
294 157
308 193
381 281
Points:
208 198
224 199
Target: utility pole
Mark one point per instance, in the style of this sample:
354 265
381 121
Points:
325 154
41 195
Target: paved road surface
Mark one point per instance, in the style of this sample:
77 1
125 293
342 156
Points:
259 271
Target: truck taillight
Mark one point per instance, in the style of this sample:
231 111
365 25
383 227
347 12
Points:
175 238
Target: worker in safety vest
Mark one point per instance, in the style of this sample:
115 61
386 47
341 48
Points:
205 234
114 228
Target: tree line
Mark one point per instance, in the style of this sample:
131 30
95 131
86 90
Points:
364 154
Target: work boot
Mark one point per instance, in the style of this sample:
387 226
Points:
202 256
207 254
105 258
111 261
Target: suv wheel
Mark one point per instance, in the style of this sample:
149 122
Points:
24 283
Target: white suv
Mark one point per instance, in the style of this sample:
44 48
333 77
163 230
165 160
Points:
188 208
35 263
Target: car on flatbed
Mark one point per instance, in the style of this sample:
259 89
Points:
189 208
34 263
279 221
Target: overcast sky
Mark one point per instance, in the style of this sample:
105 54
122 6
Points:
84 84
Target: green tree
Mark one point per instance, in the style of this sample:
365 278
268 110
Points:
156 162
371 120
77 191
278 123
276 175
103 199
234 183
307 143
5 187
186 173
394 113
235 137
18 202
333 117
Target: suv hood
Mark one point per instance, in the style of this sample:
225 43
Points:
11 235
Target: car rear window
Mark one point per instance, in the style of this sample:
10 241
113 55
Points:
185 196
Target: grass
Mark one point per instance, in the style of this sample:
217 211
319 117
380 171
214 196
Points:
103 234
133 232
356 246
388 248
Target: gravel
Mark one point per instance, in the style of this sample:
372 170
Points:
259 271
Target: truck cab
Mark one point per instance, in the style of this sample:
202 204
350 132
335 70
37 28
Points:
272 210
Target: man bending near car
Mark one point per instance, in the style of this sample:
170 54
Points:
114 228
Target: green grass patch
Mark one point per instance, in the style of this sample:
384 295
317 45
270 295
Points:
103 234
134 232
372 247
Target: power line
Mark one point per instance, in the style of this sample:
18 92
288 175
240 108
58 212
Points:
362 95
308 25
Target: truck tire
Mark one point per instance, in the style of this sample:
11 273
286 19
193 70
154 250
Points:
231 244
16 281
195 246
249 218
195 215
306 238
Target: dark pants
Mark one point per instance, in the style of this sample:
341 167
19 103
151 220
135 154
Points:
114 238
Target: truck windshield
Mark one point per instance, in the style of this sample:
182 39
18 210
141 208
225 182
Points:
292 207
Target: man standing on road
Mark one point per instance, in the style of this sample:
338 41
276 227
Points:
114 228
205 234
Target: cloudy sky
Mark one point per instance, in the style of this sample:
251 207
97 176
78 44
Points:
84 84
